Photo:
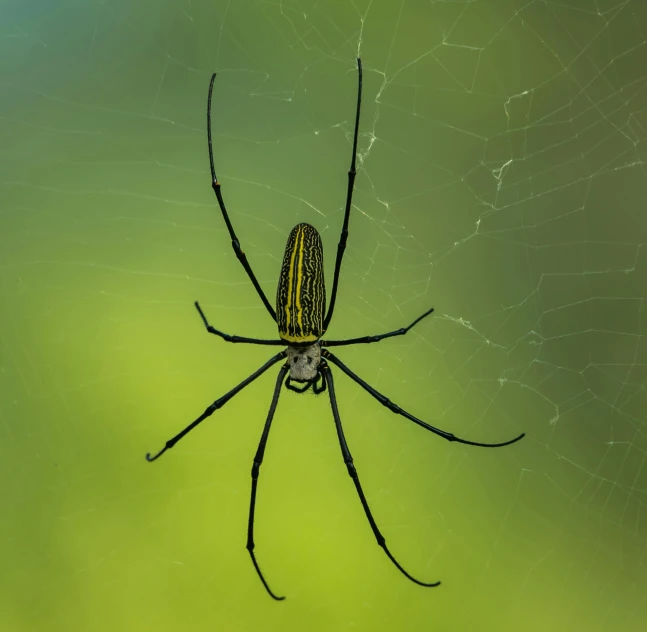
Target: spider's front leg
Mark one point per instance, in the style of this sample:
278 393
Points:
258 460
394 408
219 403
352 471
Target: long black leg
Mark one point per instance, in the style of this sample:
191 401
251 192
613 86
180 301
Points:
229 338
215 185
366 339
348 459
258 459
396 409
219 403
341 246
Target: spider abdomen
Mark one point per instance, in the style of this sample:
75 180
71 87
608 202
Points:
301 293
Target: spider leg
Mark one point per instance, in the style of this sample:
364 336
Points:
219 403
366 339
341 246
348 459
258 459
396 409
215 185
229 338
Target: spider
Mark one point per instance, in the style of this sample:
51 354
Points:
300 308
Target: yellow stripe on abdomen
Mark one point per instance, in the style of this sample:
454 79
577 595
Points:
299 283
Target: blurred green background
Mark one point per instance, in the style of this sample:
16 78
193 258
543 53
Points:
501 179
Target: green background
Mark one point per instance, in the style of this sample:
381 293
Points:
501 178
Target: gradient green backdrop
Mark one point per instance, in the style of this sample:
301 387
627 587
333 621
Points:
502 179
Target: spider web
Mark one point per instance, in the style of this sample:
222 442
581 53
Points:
501 179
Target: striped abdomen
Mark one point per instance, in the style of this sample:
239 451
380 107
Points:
301 295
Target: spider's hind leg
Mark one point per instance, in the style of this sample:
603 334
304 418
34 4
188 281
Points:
215 185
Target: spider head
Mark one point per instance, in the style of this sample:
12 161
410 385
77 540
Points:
304 362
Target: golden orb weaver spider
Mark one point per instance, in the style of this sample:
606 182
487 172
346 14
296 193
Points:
300 307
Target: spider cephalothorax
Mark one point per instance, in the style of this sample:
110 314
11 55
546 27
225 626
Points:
304 362
300 307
